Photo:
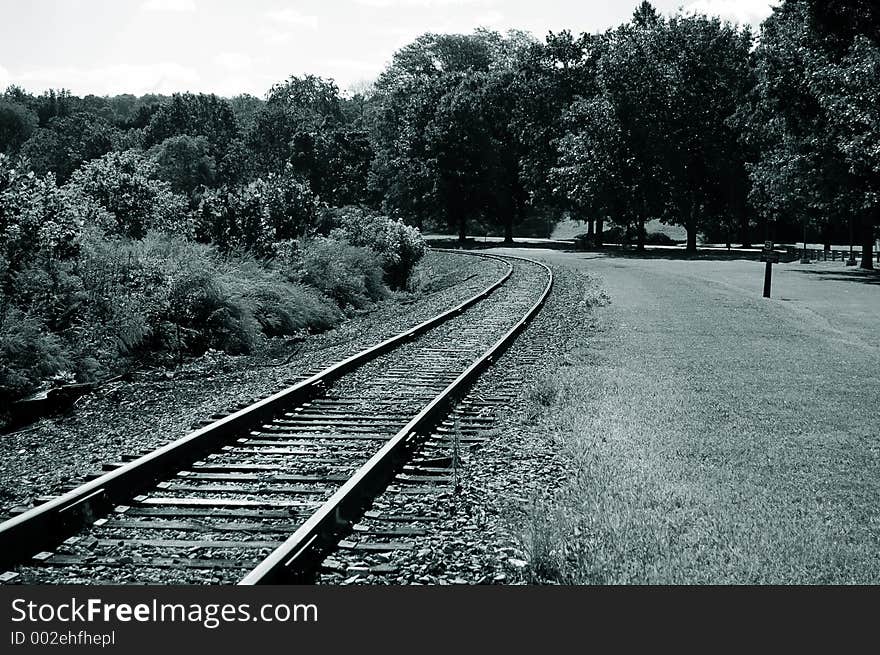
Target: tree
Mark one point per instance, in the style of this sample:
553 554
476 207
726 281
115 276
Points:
302 126
710 64
549 77
17 122
205 115
668 88
596 170
630 75
295 110
446 149
54 103
848 93
183 161
806 118
67 142
245 107
125 186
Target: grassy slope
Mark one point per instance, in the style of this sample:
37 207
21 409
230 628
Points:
717 436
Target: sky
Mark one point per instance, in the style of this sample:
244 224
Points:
229 47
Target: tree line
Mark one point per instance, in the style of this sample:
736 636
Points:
687 119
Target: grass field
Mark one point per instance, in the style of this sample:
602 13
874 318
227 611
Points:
715 436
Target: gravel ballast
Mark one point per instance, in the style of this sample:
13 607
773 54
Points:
480 532
158 406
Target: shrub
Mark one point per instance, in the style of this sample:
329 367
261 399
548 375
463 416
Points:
291 205
249 222
279 306
185 297
253 217
38 222
118 300
659 239
350 275
399 245
28 353
124 184
626 235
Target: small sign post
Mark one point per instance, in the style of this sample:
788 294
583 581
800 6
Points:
771 257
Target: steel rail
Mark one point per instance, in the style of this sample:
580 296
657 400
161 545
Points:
46 524
298 558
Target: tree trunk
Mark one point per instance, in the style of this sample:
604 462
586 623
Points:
691 239
691 227
744 235
590 227
508 229
598 238
640 238
462 229
868 221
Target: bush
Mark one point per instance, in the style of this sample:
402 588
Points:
628 235
124 185
659 239
209 315
280 307
399 246
254 216
185 297
38 222
350 275
28 354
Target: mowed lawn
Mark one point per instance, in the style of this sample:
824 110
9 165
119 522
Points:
716 436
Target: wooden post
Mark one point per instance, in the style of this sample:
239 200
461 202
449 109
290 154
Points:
769 257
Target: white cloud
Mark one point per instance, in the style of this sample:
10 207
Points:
161 77
275 37
293 17
739 11
179 6
234 61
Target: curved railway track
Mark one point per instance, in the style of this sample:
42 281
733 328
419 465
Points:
262 495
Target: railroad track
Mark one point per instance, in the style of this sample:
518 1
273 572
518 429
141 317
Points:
262 495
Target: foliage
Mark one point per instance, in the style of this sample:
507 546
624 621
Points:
445 147
123 184
17 123
200 114
257 215
810 118
298 106
28 353
67 142
655 140
399 246
38 221
348 274
302 127
183 161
